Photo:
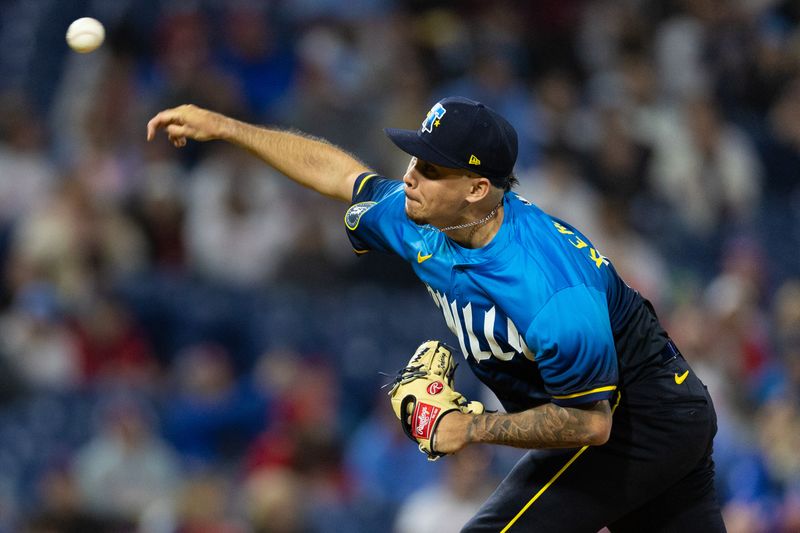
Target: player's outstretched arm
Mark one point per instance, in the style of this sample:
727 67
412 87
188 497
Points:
545 426
311 162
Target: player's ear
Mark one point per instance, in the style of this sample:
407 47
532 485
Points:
479 189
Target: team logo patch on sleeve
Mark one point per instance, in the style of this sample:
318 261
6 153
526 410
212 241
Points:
353 215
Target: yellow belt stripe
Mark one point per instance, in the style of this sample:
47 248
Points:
575 395
555 477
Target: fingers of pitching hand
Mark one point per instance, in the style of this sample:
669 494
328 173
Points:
178 142
161 120
178 133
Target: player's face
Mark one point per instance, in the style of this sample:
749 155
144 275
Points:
434 194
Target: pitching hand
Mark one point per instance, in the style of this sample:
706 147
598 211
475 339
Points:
187 121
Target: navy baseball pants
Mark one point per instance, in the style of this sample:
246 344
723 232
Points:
654 474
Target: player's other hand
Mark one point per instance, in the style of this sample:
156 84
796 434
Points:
452 433
186 121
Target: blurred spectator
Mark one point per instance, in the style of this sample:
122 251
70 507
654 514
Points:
97 105
779 437
772 65
37 342
745 257
447 506
255 52
206 505
557 110
404 97
680 43
707 170
443 43
61 508
734 302
111 348
104 162
784 375
636 258
126 466
332 84
787 312
331 506
159 207
386 470
239 225
742 518
275 375
183 68
26 172
275 501
75 244
75 95
607 31
790 517
558 189
211 417
781 147
617 166
303 406
741 334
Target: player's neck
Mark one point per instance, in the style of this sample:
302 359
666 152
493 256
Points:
482 232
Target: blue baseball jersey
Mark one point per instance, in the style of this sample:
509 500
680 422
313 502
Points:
539 312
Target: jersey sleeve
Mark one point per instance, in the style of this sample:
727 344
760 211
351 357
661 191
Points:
376 218
372 187
574 346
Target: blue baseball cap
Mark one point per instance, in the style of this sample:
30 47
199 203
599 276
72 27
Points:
462 133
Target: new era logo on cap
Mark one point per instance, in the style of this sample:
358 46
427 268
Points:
461 133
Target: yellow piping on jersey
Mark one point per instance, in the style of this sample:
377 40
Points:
555 477
359 252
366 179
578 394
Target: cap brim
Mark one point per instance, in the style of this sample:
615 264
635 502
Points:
411 143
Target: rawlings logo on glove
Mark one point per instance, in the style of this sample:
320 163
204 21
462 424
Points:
435 388
425 417
422 394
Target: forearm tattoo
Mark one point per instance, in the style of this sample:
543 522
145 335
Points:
546 426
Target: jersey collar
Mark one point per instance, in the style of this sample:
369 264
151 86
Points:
498 243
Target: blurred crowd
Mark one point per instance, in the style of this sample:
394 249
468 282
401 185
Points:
187 342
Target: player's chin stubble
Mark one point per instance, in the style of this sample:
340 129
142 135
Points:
413 213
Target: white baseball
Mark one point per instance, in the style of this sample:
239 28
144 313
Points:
85 35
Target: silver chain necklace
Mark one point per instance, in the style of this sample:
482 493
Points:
483 220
